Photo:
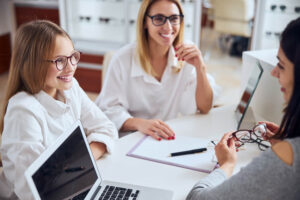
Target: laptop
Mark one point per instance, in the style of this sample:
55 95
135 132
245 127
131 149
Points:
248 93
67 170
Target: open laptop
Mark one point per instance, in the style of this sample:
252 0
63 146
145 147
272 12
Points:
248 93
67 170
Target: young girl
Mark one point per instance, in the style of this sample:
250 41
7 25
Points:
159 77
43 100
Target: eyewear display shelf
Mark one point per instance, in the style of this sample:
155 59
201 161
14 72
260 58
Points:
99 26
271 18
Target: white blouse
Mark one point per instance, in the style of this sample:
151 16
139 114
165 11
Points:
128 91
33 122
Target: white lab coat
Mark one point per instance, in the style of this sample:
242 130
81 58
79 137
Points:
128 91
34 122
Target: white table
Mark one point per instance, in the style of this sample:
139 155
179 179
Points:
121 168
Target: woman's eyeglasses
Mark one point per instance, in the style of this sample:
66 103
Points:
159 20
252 136
62 61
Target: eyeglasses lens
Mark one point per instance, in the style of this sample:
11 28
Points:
260 130
242 135
75 58
62 61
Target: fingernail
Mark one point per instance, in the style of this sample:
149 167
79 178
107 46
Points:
175 55
173 137
182 59
159 139
175 48
169 138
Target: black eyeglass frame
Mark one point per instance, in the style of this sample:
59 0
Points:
259 140
67 58
181 16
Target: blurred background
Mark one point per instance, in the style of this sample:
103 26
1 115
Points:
222 29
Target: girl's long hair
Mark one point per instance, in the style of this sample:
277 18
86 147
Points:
34 43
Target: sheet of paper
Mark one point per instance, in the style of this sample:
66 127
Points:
159 151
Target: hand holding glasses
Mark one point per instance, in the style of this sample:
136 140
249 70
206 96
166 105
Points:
62 61
252 136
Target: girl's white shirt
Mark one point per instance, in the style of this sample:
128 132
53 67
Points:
128 91
34 122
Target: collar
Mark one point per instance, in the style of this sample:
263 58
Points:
54 107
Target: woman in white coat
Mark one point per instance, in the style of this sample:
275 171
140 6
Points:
159 77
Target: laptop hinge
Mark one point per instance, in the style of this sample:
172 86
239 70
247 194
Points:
96 192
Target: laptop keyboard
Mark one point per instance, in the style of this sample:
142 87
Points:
118 193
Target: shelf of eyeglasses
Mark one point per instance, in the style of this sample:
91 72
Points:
110 21
289 9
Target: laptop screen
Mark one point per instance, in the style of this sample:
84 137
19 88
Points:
68 171
248 93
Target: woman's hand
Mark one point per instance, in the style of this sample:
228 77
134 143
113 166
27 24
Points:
226 153
272 129
189 53
153 127
98 149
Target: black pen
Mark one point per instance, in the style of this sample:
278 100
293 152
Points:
181 153
74 169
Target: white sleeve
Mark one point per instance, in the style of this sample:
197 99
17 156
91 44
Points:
22 143
113 99
96 125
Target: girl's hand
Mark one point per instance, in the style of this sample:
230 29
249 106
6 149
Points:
226 153
189 53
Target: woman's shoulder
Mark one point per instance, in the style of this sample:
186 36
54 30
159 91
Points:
126 51
285 150
23 102
22 99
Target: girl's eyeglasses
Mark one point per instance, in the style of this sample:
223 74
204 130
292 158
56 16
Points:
62 61
252 136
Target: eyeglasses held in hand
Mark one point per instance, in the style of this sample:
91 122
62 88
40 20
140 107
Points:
159 20
62 61
252 136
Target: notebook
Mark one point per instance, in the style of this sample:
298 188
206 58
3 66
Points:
67 170
149 149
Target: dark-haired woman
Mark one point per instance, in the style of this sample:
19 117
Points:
276 173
